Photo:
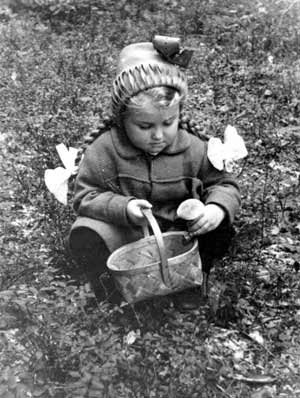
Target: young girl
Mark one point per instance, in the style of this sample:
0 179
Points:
148 160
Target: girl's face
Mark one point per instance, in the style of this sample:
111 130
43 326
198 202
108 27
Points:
152 128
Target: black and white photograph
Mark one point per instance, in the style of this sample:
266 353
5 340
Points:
150 199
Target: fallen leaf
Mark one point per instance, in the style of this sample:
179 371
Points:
275 230
265 392
132 336
238 355
268 93
264 275
297 316
256 336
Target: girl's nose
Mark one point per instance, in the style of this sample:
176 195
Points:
157 133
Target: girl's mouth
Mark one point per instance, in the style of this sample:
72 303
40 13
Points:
154 149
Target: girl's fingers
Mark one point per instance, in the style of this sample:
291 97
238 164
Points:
144 204
197 225
140 207
206 227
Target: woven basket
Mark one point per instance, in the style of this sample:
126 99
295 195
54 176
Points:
156 265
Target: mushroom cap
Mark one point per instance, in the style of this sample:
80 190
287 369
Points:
190 209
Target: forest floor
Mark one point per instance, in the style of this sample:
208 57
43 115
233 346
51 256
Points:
57 60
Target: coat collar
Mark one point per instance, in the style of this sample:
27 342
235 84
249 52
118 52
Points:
126 150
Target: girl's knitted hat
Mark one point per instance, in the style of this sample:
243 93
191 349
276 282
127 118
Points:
146 65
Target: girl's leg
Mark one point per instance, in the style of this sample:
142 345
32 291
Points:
91 253
213 245
91 242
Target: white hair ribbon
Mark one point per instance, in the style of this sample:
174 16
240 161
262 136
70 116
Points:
222 156
56 180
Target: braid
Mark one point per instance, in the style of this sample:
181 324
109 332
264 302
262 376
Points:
192 127
92 135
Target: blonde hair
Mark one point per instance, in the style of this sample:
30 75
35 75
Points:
161 96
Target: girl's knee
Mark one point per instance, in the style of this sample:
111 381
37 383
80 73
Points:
83 240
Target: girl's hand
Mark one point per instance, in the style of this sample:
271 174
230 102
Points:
134 211
209 220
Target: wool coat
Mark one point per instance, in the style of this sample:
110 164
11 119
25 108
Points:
113 172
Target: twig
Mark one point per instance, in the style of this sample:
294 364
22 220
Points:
252 339
287 10
255 379
225 393
263 204
268 351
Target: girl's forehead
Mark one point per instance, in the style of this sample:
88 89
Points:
151 112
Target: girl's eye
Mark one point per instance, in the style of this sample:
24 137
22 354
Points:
144 126
169 122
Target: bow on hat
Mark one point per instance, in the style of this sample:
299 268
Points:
222 156
169 49
56 180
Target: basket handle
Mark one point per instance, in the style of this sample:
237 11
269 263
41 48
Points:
161 247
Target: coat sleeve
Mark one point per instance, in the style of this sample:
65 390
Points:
95 195
220 188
